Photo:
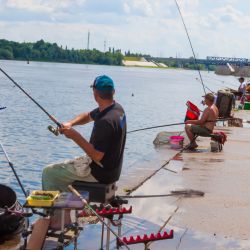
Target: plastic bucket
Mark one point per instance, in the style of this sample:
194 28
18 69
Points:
176 141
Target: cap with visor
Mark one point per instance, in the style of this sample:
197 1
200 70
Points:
103 83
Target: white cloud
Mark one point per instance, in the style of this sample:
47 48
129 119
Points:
216 27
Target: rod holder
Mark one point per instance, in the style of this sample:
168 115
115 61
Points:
110 211
146 238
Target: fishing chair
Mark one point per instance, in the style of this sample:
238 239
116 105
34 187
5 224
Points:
102 198
218 139
98 192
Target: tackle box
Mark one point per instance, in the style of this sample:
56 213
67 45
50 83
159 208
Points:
40 198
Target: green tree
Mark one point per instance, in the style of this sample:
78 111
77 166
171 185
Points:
6 54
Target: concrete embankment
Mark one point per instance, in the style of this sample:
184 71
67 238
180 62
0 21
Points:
219 219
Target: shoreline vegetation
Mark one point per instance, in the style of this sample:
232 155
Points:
50 52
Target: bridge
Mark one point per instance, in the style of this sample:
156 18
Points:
211 60
224 60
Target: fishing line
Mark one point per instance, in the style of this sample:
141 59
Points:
33 100
221 81
204 85
195 60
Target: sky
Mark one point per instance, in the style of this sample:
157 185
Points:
216 27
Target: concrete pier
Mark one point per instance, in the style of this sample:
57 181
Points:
220 219
217 220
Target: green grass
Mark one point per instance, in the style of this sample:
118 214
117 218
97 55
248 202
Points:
132 58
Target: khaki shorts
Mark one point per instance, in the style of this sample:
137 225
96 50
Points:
201 131
59 176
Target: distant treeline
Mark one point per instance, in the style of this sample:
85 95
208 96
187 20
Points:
51 52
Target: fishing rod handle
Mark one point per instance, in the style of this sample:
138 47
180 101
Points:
52 118
74 191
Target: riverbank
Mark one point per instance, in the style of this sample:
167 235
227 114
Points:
219 219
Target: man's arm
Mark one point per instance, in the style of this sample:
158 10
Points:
94 154
79 120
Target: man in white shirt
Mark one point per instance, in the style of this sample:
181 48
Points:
242 87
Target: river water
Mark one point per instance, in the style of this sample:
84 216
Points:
149 96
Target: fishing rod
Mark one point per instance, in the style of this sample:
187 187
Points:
74 191
195 60
204 85
53 130
188 192
176 124
13 169
19 182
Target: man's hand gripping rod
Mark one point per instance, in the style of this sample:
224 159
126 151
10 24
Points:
97 215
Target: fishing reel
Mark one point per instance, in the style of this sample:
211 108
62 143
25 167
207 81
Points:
54 130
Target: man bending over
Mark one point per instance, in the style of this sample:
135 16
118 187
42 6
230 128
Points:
205 125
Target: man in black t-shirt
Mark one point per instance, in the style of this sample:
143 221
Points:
105 148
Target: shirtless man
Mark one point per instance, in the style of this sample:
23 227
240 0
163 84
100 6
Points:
202 127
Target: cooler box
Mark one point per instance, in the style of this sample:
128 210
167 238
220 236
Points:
247 105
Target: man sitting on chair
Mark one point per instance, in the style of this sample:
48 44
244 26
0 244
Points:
105 149
205 125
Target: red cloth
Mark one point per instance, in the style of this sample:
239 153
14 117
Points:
221 137
193 111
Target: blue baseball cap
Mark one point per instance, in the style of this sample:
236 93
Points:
103 83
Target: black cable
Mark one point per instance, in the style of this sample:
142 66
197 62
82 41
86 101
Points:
195 60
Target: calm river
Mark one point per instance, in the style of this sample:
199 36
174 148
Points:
159 97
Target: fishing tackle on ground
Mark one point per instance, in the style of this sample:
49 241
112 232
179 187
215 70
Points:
185 192
33 100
